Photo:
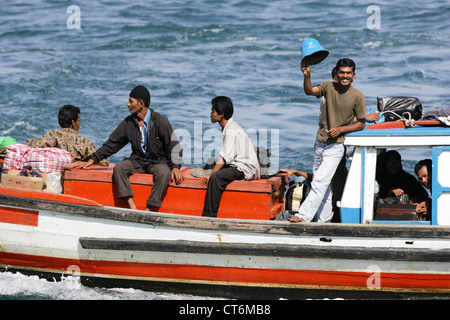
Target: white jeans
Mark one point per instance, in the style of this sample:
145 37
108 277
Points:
318 202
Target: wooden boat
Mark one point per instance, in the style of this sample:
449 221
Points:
86 231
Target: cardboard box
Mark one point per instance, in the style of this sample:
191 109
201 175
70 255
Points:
11 179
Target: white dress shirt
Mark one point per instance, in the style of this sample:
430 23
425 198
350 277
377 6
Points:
238 150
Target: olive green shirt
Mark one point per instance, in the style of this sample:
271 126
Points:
340 109
68 139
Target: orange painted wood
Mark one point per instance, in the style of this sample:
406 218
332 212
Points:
104 174
401 124
234 204
241 199
17 192
19 216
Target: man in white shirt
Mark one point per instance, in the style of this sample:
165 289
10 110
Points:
237 160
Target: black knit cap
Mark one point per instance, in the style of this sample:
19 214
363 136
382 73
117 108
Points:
141 92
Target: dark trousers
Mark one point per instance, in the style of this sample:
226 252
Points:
161 178
216 185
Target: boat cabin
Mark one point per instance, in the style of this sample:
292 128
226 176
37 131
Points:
359 199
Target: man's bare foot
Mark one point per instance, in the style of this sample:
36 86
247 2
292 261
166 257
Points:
295 219
131 203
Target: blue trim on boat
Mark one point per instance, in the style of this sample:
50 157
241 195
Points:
416 131
351 215
435 185
363 179
400 222
437 188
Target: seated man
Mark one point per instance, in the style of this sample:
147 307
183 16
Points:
237 160
68 138
423 171
155 150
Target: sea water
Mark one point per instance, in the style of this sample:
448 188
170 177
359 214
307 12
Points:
92 53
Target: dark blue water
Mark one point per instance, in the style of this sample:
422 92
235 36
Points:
187 52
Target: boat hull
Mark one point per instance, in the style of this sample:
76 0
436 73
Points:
108 246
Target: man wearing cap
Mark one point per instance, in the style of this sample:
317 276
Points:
343 103
155 150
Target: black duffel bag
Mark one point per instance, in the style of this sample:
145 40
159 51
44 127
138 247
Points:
397 108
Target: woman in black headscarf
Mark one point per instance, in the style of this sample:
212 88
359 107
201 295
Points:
394 181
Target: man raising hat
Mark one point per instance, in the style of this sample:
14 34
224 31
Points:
155 150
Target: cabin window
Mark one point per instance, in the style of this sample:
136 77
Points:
399 195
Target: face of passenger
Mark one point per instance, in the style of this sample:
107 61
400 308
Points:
76 124
423 177
393 164
345 76
215 117
134 105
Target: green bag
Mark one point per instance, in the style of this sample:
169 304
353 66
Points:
6 141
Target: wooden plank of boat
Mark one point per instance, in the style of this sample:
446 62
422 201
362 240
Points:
300 276
257 199
24 194
240 280
402 125
268 249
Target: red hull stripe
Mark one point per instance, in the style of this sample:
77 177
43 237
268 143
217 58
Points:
233 276
19 216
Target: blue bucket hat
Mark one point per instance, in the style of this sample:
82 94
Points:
313 52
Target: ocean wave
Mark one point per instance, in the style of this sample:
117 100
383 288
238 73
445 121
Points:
16 286
19 126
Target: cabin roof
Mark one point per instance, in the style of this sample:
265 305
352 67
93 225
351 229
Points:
418 136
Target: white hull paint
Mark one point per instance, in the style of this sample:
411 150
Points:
77 242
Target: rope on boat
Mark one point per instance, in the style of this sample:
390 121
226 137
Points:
408 120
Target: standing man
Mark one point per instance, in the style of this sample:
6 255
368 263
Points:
155 150
237 160
343 103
